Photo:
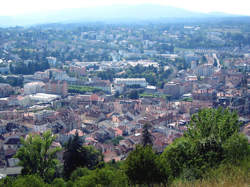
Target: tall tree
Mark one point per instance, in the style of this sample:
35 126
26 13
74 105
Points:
147 138
133 94
142 166
76 155
36 155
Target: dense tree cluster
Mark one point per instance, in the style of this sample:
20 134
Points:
12 80
153 75
206 144
29 68
133 94
109 74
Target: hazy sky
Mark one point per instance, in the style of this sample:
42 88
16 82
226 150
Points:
15 7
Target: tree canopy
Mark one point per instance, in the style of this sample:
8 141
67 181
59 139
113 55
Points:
219 124
36 155
147 138
212 138
143 167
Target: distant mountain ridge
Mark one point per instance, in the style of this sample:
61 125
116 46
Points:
135 12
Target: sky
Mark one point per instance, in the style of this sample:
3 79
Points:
20 7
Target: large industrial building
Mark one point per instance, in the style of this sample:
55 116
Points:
131 81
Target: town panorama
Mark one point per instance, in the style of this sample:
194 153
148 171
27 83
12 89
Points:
105 81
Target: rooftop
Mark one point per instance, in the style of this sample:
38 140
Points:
44 97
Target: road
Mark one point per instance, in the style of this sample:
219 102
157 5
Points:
218 61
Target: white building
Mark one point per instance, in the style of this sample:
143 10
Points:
193 65
144 63
43 98
34 87
131 81
41 75
52 61
58 75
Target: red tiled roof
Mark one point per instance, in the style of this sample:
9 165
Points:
118 132
73 132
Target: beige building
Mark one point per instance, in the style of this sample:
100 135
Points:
6 90
56 87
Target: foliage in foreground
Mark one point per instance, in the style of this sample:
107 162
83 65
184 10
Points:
226 175
36 155
76 155
211 153
212 139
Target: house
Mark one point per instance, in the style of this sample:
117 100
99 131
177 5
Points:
172 89
111 155
10 171
80 71
6 90
204 94
41 75
4 70
74 131
44 114
52 61
57 74
10 146
40 128
12 142
95 99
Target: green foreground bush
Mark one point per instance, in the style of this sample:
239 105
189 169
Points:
212 152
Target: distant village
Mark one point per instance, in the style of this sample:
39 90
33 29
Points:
106 114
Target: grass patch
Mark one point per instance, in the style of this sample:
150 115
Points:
189 99
164 96
226 175
82 89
